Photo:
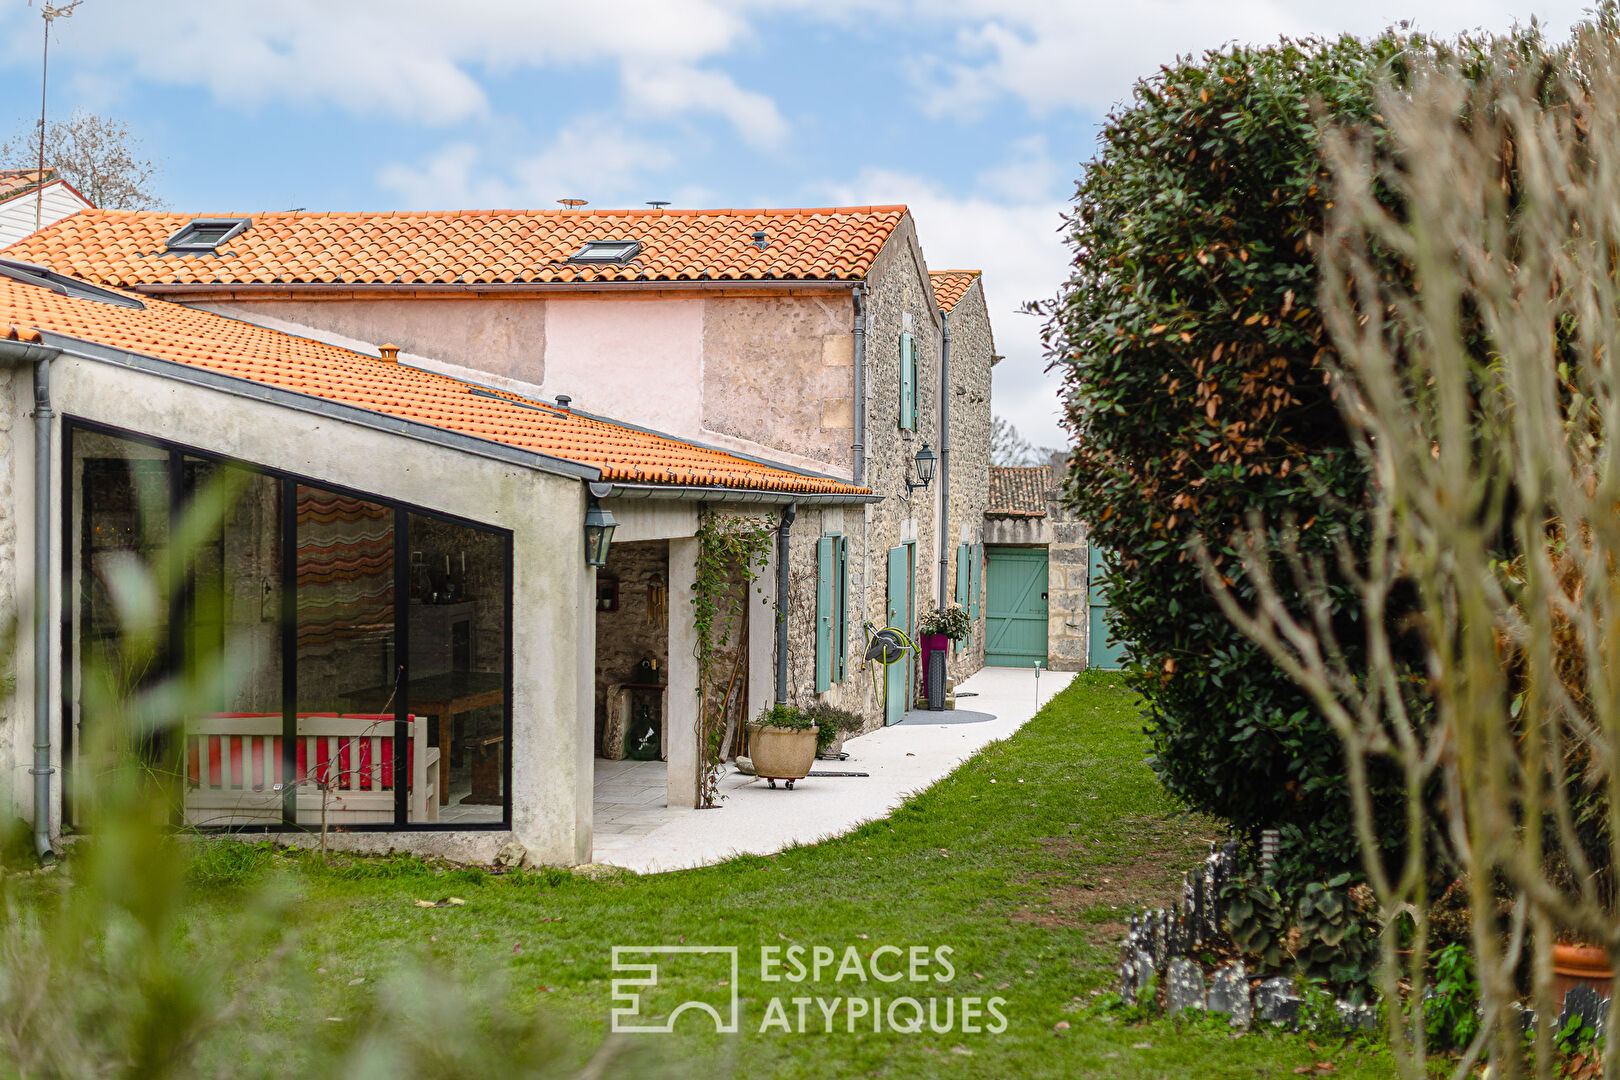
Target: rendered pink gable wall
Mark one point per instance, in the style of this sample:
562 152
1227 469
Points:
640 361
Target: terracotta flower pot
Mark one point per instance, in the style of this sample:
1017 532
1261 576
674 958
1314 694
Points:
781 753
1574 965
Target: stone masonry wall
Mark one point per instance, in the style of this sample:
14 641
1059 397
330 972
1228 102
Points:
778 372
624 636
972 354
897 286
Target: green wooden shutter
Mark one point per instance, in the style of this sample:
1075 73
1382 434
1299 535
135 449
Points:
976 582
841 631
962 574
908 382
824 613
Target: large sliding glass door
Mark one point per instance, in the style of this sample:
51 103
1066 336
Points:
354 651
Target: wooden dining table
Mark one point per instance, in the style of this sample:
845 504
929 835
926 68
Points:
445 697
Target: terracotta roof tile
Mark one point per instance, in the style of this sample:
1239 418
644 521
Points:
1019 491
950 286
126 248
241 350
14 182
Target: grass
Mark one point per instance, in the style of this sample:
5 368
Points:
1023 863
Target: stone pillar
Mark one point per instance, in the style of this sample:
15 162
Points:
762 639
680 718
1068 610
585 712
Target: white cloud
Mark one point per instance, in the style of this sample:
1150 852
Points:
459 176
1067 55
415 59
674 89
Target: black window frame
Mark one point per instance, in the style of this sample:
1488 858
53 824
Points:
584 254
288 628
187 240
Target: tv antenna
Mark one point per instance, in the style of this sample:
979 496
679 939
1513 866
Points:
50 13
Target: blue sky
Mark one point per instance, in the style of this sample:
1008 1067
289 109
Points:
976 113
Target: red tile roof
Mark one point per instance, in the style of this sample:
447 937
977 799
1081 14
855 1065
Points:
1018 491
950 286
230 347
126 248
14 182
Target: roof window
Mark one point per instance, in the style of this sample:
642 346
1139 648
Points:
606 251
206 234
31 274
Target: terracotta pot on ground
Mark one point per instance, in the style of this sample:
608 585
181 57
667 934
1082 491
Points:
781 753
1574 965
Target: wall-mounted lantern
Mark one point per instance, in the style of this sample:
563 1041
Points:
925 462
599 526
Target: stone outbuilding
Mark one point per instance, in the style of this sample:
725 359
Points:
1039 569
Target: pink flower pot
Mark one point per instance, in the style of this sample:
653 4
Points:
936 643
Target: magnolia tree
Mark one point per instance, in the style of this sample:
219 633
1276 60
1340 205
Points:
1471 284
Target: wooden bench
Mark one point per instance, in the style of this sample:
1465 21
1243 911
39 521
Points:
235 774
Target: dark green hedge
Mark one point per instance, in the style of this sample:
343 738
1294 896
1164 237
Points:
1195 359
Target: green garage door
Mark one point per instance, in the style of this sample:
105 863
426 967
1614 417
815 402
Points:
1102 651
1015 614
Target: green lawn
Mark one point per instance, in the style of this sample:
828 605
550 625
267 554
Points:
1023 863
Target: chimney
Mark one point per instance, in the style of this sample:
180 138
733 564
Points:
573 204
562 402
761 241
389 352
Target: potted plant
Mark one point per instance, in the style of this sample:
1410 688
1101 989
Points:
949 623
832 723
782 744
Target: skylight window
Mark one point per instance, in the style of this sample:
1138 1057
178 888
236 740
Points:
606 251
206 234
66 286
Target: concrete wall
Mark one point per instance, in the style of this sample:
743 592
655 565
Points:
553 624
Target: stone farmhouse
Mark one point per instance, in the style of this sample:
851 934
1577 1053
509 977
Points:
432 417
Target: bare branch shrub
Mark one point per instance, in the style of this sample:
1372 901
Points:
1477 324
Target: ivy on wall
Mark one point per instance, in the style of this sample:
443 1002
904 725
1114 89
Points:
729 548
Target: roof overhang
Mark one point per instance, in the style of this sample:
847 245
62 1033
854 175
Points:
474 290
611 490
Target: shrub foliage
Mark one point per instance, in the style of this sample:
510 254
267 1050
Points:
1197 368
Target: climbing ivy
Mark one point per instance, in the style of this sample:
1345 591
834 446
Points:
728 547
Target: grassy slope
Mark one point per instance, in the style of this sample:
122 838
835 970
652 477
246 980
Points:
1023 862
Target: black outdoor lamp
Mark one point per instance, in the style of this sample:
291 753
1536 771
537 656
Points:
925 461
599 526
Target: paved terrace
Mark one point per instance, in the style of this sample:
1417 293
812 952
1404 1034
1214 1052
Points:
635 830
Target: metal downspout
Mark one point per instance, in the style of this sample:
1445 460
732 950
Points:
858 445
789 512
944 452
41 770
